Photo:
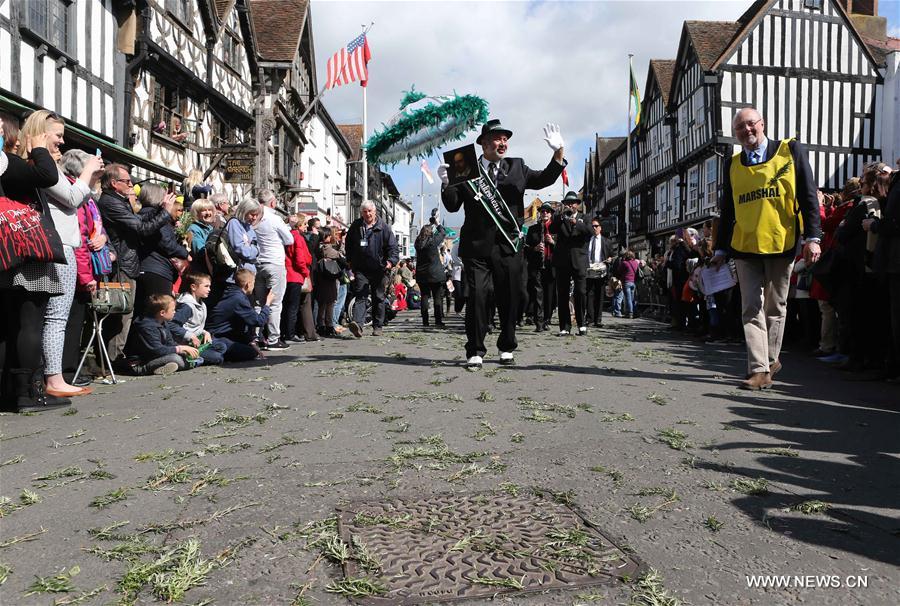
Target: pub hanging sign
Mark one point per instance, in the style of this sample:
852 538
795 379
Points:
239 169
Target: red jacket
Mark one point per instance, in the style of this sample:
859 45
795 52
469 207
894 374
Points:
90 223
297 259
831 219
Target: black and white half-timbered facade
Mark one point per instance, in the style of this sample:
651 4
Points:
802 63
285 86
189 88
63 55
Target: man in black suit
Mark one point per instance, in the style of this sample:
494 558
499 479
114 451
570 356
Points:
570 259
492 254
539 245
600 253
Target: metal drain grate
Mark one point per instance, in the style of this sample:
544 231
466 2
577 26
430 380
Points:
461 546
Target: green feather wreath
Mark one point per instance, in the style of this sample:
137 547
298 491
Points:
425 124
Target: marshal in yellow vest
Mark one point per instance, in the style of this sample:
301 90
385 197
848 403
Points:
765 204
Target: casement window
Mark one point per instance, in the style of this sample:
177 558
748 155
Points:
693 193
180 9
662 202
52 20
699 109
813 4
712 182
232 49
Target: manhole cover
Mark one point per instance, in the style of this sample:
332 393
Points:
461 546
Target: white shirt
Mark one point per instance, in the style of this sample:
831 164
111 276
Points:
272 235
597 243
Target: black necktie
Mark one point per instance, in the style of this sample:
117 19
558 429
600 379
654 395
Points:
492 171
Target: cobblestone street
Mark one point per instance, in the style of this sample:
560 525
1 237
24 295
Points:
232 472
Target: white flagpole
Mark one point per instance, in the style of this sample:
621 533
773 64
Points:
628 160
422 200
365 166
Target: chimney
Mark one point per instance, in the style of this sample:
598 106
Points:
864 15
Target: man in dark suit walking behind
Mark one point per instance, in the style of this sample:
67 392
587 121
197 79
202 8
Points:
539 245
571 261
490 239
600 252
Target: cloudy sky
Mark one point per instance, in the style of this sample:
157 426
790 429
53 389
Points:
534 62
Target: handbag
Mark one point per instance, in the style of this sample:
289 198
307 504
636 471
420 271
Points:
307 285
27 234
112 297
330 268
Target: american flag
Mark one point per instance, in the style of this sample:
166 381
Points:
349 64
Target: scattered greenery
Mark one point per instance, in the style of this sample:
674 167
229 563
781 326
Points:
485 396
113 496
5 571
674 438
713 524
357 587
58 583
517 438
614 474
649 591
659 399
758 486
812 506
779 450
517 584
484 432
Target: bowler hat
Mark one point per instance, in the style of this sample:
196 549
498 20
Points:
571 198
546 206
493 126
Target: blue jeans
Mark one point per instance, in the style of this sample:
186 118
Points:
617 303
628 289
339 304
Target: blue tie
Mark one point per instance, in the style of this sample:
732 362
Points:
754 158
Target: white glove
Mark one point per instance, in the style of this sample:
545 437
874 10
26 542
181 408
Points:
442 173
552 137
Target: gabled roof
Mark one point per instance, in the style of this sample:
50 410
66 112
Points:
606 146
222 8
278 25
710 39
353 133
663 70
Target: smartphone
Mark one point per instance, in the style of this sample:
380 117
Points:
171 187
98 153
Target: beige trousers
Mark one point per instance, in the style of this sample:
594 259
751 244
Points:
828 339
764 290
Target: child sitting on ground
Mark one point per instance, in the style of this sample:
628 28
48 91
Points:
190 319
151 340
234 320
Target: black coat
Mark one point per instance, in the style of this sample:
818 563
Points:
571 242
381 247
125 229
887 250
806 199
479 234
428 259
533 237
154 252
22 178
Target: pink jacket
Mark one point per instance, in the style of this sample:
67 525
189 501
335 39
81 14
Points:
90 223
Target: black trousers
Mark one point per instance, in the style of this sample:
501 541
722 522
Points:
150 284
596 290
542 290
21 328
434 291
564 277
365 285
501 275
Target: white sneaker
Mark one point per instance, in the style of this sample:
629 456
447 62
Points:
474 362
563 333
166 369
506 357
582 330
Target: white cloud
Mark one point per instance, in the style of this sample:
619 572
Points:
534 62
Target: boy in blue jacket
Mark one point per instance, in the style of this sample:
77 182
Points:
151 340
234 321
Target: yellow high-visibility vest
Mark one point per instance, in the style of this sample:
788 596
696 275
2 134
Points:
765 204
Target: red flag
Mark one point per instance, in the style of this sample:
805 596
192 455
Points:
565 177
350 64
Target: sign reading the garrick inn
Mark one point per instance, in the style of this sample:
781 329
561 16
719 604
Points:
239 169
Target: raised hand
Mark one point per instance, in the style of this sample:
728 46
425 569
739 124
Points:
553 137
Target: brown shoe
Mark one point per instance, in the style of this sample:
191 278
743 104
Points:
757 382
355 329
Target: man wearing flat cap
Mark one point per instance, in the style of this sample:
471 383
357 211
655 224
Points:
539 247
571 261
491 242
